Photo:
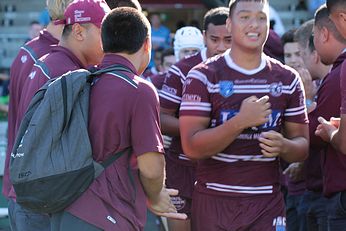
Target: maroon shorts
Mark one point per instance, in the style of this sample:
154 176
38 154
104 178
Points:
182 178
254 213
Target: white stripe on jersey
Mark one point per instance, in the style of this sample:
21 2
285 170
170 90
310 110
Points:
38 66
235 158
295 111
242 89
178 72
292 85
170 97
110 73
184 157
195 106
27 51
240 189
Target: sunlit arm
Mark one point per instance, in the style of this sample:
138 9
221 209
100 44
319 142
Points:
200 142
169 122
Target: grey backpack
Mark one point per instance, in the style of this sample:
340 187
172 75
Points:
51 162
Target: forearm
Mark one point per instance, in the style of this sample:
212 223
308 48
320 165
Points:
295 149
208 142
337 137
152 186
169 125
337 140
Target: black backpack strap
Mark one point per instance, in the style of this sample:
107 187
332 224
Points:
115 70
115 156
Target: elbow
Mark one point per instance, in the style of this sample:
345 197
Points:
155 170
192 153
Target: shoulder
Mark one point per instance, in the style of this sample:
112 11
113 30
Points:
210 67
277 67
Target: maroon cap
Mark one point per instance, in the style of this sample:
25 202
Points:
85 11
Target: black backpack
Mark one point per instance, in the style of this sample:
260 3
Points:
51 162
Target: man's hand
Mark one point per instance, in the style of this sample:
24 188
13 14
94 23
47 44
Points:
163 206
295 171
254 111
271 143
309 86
326 129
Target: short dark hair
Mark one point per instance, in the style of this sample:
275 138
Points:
288 36
334 4
322 20
166 52
34 22
124 3
303 35
124 29
216 16
233 4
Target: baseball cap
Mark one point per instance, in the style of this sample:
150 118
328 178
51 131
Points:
85 11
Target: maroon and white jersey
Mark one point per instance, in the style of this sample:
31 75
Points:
170 97
20 69
216 89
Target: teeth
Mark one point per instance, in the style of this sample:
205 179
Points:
253 34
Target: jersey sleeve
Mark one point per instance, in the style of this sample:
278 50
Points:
196 95
296 108
145 124
171 92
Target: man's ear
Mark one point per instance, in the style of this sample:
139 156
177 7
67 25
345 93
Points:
325 34
204 37
342 15
147 44
315 57
228 24
78 31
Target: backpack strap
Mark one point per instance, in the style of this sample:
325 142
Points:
116 71
110 160
115 156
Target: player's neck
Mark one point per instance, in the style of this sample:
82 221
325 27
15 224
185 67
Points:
55 30
247 59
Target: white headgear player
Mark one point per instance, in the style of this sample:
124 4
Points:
187 37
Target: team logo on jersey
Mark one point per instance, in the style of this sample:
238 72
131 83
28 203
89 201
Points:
32 74
24 58
279 223
275 89
226 88
178 202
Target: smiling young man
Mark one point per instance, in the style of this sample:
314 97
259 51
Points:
240 112
180 169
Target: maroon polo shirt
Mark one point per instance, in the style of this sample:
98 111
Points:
273 46
121 115
328 105
40 75
20 69
330 95
343 88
